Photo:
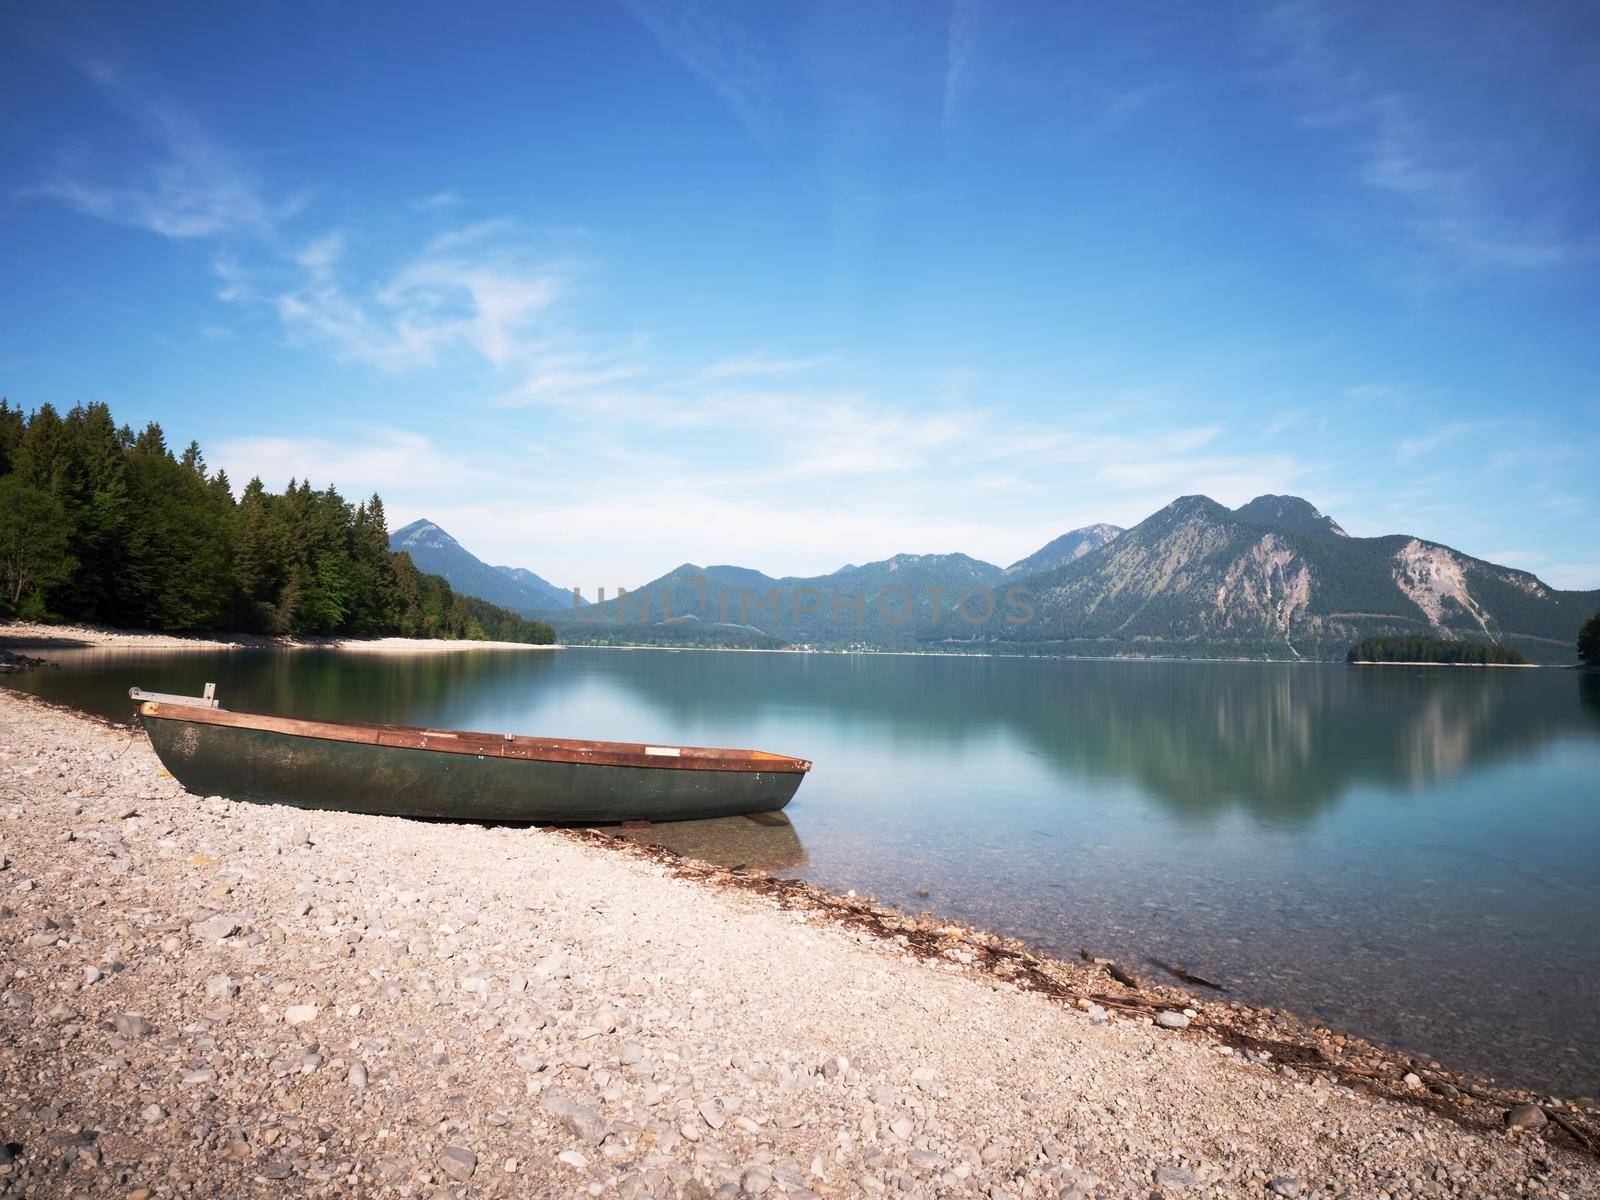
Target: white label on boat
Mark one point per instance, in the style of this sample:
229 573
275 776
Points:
663 751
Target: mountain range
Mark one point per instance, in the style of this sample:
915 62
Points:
437 553
1069 547
1274 578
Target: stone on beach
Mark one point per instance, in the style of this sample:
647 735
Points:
215 929
582 1122
458 1162
1172 1176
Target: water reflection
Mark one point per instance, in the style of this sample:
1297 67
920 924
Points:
1278 742
1589 687
770 843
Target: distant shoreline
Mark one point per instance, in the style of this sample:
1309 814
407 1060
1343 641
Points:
40 637
1118 658
33 635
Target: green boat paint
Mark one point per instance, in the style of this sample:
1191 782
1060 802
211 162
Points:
454 775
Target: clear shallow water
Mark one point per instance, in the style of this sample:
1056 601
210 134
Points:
1411 854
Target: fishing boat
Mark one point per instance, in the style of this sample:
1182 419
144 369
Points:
401 771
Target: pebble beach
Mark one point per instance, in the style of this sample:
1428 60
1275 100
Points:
35 637
206 998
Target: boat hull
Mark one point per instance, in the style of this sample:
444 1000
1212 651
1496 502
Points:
271 767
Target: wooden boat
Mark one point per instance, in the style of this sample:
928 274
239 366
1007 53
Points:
400 771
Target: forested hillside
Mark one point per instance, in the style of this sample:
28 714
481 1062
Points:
102 524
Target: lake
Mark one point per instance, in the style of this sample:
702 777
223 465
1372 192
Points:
1410 854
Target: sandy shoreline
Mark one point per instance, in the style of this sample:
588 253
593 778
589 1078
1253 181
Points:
34 637
204 996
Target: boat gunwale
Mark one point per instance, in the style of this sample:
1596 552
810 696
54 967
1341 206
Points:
512 747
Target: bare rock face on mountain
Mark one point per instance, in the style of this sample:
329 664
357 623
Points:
1276 577
1266 588
1432 578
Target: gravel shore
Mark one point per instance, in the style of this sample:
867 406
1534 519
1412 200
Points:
39 637
203 998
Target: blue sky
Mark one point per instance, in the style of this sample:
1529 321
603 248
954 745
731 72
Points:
604 288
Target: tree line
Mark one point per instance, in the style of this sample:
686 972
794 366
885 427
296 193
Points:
104 525
1411 648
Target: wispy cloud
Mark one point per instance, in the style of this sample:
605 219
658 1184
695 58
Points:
467 290
1567 506
233 281
558 377
1449 198
1285 421
760 365
438 202
365 460
721 51
961 44
1454 192
1386 392
192 186
1416 446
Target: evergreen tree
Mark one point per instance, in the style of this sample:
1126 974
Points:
42 450
93 490
1589 641
374 609
177 572
260 566
12 429
33 545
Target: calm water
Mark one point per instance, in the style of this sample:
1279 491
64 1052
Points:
1411 854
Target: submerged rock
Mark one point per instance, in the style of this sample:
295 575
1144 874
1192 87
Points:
1526 1116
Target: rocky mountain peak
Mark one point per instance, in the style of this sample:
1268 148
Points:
1288 512
422 534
